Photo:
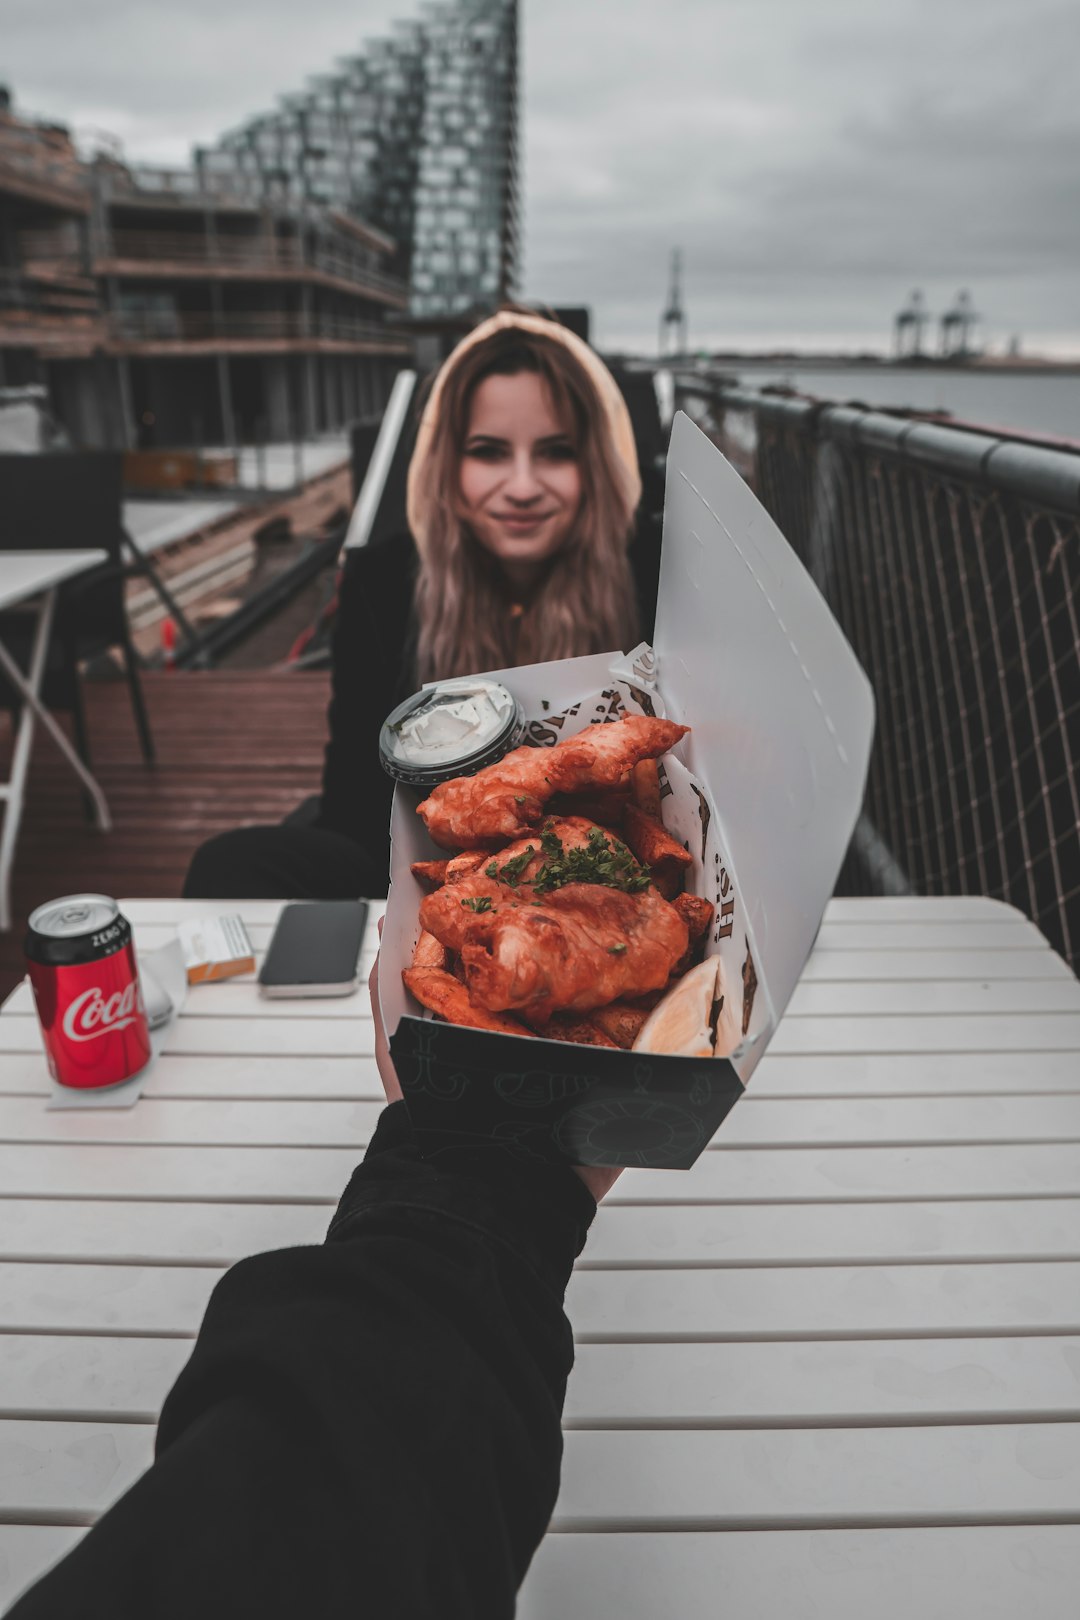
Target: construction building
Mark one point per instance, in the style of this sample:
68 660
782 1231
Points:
271 290
418 136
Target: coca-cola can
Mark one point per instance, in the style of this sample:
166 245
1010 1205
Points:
85 980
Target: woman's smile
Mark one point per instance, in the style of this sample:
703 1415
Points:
523 522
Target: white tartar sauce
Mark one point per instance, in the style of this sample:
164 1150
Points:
461 717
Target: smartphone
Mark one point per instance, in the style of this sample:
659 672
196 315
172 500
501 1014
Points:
315 949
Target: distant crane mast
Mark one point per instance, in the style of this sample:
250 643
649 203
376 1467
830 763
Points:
673 320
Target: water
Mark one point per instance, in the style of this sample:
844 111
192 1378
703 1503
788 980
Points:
1037 402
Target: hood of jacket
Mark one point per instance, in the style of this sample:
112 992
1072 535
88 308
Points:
419 497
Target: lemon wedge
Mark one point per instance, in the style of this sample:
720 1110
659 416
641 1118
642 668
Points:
699 1017
681 1024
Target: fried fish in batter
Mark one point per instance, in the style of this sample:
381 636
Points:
480 884
578 948
503 801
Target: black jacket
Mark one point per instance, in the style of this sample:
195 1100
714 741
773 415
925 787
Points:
373 663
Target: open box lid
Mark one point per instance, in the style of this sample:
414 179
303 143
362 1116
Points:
750 656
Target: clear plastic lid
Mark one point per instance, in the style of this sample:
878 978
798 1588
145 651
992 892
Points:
453 728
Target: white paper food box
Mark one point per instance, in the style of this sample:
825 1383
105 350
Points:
765 791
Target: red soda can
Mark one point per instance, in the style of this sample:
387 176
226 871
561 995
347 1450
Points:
86 988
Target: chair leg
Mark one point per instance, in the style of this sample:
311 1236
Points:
78 720
78 723
142 722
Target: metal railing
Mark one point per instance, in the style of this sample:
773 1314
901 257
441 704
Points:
951 558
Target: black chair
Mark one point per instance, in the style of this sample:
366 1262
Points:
639 392
72 501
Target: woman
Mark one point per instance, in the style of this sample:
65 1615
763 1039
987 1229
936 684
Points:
521 502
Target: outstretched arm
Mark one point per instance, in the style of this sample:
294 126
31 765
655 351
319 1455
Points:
371 1426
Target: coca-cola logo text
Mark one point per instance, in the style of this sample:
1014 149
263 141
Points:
93 1014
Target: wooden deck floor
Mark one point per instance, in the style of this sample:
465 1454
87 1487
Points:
233 748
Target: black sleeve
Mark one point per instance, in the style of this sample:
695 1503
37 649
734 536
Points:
370 1427
369 653
645 564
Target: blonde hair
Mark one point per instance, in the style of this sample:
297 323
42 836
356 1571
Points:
586 603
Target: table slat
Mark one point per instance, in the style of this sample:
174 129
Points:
243 1124
311 1035
782 1384
731 1176
922 1000
187 1076
241 998
787 1384
27 1551
623 1234
961 1573
931 1073
937 966
756 1122
916 908
661 1306
1000 1032
70 1472
187 1234
658 1479
797 1477
844 1074
873 935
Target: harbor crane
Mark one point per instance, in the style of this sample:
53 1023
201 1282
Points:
673 320
958 327
909 325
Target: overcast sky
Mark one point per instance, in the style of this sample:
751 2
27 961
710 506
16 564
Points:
814 159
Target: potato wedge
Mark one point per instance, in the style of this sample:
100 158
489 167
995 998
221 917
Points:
695 912
645 785
433 872
430 953
465 864
450 1000
581 1031
650 840
620 1022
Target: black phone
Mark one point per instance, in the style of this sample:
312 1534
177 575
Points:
315 949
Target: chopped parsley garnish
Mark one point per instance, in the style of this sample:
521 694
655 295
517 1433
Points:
519 798
616 950
512 872
477 902
601 860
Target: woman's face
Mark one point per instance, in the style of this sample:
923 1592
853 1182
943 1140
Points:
520 479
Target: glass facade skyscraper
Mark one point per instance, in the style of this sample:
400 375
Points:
418 137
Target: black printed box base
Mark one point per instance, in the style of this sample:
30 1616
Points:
556 1101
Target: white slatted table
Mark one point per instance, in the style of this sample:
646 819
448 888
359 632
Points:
833 1370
